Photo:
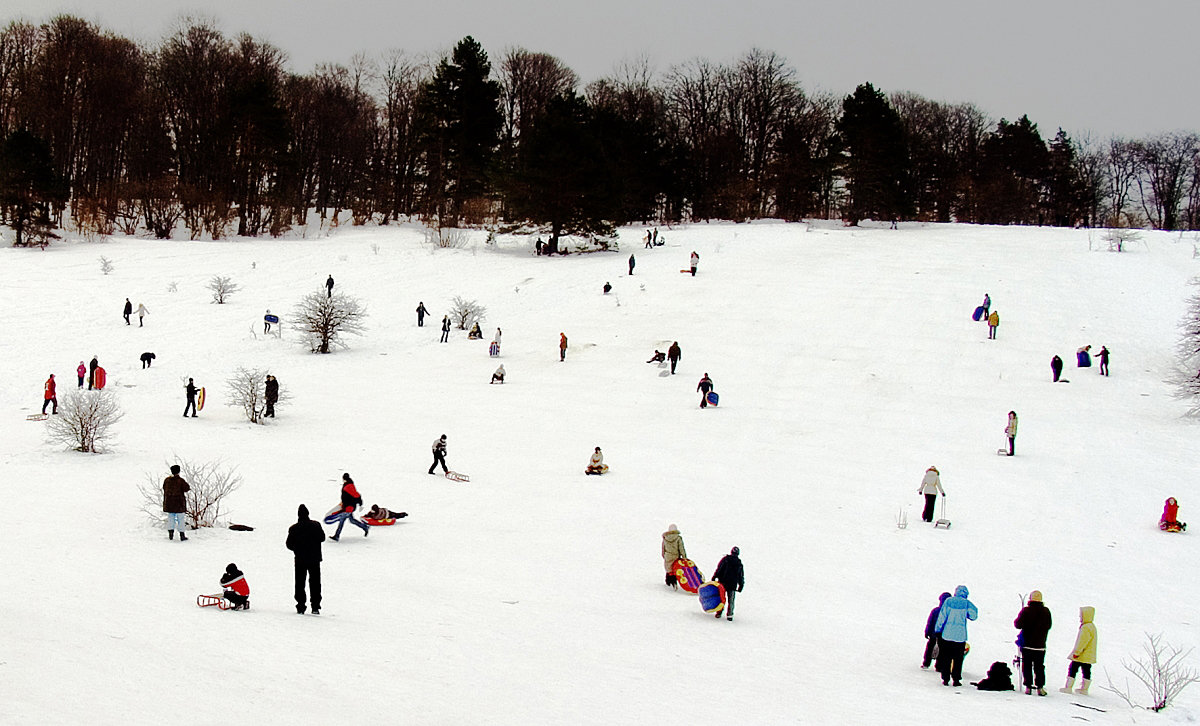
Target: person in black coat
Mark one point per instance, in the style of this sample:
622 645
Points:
729 573
1034 622
439 455
92 366
329 287
127 311
146 359
421 313
1056 367
304 540
674 354
931 636
272 395
190 391
445 329
1103 354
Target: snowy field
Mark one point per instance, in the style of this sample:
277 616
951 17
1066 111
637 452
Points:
846 361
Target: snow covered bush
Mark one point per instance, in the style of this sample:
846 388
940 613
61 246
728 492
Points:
1187 375
466 312
446 237
1161 672
324 319
85 419
247 390
106 265
210 483
222 287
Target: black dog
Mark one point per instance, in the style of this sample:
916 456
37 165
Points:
999 678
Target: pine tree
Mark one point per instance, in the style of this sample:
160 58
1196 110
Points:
875 157
28 187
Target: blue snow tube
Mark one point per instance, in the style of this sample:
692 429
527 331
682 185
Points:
1083 358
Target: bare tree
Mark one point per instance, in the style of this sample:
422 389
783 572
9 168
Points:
210 482
222 287
528 81
247 390
1122 163
85 420
466 312
325 319
1166 163
1187 375
1161 672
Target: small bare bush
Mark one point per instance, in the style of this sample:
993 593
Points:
210 483
1161 672
324 319
106 265
446 237
247 391
466 312
85 420
222 287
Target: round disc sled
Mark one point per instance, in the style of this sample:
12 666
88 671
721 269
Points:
712 597
687 574
207 601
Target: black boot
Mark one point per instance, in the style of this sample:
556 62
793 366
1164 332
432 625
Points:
170 534
182 537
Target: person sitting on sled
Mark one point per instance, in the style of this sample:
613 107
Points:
237 590
597 465
378 512
475 333
658 357
498 376
1170 517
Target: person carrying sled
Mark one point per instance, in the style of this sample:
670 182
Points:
658 357
704 386
421 313
673 355
672 549
1056 366
304 539
190 392
1083 655
1034 622
498 376
730 574
237 590
351 500
931 487
993 320
1170 517
50 395
439 454
952 629
1010 430
596 464
931 636
271 396
175 491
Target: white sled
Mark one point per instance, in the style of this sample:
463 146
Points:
943 522
455 476
902 519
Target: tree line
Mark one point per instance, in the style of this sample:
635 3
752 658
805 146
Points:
215 136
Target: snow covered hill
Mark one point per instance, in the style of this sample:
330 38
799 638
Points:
847 363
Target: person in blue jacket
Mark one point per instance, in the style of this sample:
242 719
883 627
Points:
931 636
951 627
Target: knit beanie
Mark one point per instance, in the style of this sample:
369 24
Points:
1035 596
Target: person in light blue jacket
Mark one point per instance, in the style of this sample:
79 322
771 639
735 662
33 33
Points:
952 634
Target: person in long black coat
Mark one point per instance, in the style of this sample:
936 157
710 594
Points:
272 395
1056 367
421 313
1034 622
304 540
730 574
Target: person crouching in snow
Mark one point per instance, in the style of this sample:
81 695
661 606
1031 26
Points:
597 465
237 590
351 500
498 376
672 549
1083 655
931 486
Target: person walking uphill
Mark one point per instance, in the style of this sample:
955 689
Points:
1010 430
952 627
673 355
329 287
190 391
931 635
304 539
993 319
1034 622
439 454
175 491
351 500
730 574
421 313
931 487
1083 655
445 329
562 346
704 386
672 549
50 395
127 311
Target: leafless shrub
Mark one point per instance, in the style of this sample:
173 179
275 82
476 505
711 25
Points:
85 420
446 237
325 319
1161 672
247 390
106 265
466 312
222 287
210 483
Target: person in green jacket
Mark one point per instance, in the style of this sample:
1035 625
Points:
1083 655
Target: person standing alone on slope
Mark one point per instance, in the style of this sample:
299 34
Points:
439 454
304 539
931 487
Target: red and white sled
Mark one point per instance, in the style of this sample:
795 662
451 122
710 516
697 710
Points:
455 476
207 601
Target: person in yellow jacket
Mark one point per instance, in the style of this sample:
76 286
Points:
1083 655
672 549
993 319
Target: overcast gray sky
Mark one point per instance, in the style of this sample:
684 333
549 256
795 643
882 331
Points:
1124 68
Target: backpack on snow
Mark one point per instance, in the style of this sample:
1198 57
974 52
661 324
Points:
999 678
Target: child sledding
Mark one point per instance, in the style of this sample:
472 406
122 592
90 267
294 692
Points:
378 516
1170 517
596 465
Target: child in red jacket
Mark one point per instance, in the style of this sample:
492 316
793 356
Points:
237 590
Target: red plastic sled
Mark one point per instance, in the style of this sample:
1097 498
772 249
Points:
207 601
380 522
687 574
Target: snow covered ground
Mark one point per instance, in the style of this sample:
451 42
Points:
846 361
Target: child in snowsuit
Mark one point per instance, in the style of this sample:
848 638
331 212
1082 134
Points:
1011 432
1034 622
952 629
237 590
931 487
672 549
1083 655
596 465
931 636
378 512
81 373
351 500
729 573
1170 516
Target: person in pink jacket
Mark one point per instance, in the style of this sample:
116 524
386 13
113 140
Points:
81 371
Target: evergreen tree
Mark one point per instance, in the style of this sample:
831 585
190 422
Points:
875 157
28 187
1066 204
1013 173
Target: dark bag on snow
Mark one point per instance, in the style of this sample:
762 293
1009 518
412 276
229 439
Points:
999 678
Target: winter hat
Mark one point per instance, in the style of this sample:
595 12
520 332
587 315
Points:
672 528
443 437
231 568
1035 596
735 551
943 597
346 476
302 512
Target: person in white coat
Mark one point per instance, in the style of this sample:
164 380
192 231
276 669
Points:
141 313
498 376
1011 432
672 549
931 487
596 465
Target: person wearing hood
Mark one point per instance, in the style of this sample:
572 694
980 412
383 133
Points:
1056 366
730 574
175 490
272 396
81 372
237 590
951 627
1083 655
672 549
931 487
931 636
498 376
1034 622
93 364
304 539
